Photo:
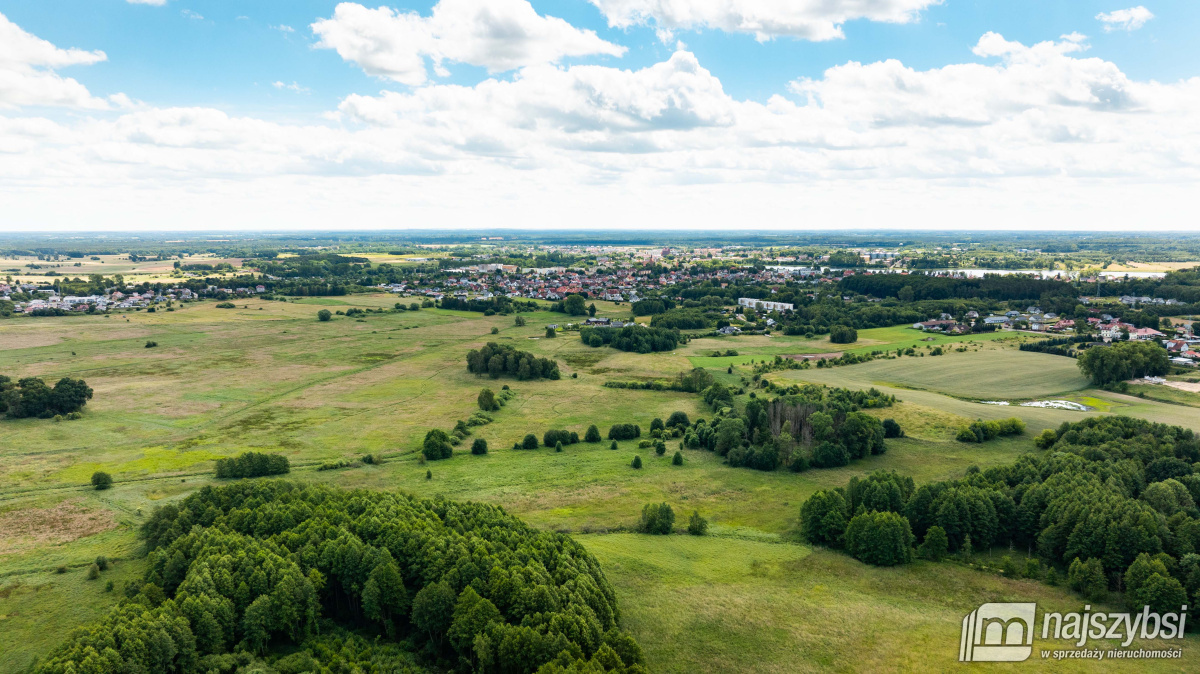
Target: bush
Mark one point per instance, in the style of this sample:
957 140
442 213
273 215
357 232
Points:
677 460
697 525
530 442
551 333
324 315
252 464
880 538
841 334
436 445
479 446
660 447
624 432
983 431
1046 439
558 446
101 480
552 437
226 305
613 445
592 434
637 462
151 344
891 429
657 519
102 563
93 572
678 420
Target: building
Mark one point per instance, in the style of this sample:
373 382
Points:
765 305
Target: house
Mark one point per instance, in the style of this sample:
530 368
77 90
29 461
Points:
729 330
764 304
1145 334
1175 345
995 320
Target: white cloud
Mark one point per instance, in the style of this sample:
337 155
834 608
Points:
1125 19
291 87
156 3
27 65
765 19
283 28
189 14
1031 136
498 35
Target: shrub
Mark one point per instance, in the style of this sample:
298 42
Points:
677 460
637 462
371 459
592 434
678 420
93 572
479 446
1046 439
151 344
697 525
102 563
108 587
891 429
823 518
551 333
101 480
613 445
324 315
553 437
558 446
656 425
660 447
530 442
436 445
495 331
657 519
624 432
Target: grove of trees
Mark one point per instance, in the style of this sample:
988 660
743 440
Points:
1108 365
252 464
635 338
32 397
236 571
497 360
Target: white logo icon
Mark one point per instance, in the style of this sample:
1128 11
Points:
997 633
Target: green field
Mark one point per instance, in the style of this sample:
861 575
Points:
267 376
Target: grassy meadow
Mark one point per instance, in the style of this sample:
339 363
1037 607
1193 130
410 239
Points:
267 376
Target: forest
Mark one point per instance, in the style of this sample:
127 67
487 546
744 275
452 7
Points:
1108 505
238 571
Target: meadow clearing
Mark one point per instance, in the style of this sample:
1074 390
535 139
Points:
268 376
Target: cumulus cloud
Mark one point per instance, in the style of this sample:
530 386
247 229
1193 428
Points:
1020 135
1125 19
499 35
765 19
27 65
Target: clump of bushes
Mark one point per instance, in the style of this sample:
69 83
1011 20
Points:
436 445
335 465
982 431
252 464
101 480
226 305
624 432
480 446
656 519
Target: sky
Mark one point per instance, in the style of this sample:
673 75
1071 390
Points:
730 115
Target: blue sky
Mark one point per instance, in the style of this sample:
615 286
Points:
231 56
262 64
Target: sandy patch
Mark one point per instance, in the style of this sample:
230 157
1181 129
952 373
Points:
62 523
1184 386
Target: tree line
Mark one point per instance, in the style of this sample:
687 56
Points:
497 360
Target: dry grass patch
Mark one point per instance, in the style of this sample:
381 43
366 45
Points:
62 523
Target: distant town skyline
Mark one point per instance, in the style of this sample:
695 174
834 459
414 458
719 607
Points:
156 115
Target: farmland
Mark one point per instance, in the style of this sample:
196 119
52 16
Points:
267 376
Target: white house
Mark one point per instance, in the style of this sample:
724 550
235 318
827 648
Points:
764 304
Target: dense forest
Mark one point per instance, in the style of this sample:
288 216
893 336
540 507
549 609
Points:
1109 505
237 571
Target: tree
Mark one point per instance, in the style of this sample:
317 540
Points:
433 609
495 331
842 334
935 546
823 518
487 401
637 462
591 309
656 425
660 447
101 480
905 294
558 446
891 429
613 445
551 333
436 445
657 519
1108 365
830 454
880 538
678 420
471 616
730 433
324 315
479 446
697 525
519 321
574 305
677 460
530 441
1087 578
592 435
93 572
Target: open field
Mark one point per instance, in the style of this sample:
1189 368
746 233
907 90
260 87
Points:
267 376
